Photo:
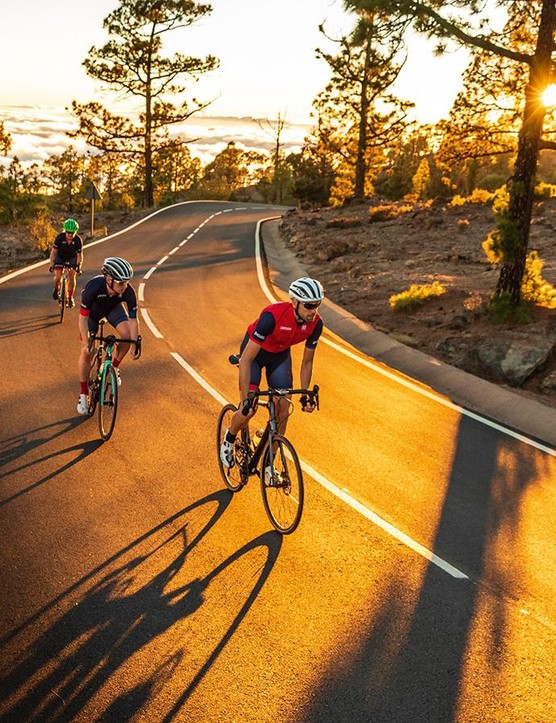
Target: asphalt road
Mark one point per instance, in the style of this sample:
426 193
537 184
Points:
419 586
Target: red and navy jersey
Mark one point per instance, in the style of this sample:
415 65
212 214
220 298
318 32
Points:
277 329
66 251
96 300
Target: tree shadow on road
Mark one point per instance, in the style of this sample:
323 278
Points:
92 635
415 653
19 444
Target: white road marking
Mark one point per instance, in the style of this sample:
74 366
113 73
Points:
199 379
147 319
386 526
323 481
339 493
391 375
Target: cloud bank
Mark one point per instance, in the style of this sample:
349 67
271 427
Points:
40 132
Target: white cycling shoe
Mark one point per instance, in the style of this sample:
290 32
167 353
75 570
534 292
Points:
227 453
272 476
82 406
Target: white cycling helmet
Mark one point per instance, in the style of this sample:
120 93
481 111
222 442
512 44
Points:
306 289
119 269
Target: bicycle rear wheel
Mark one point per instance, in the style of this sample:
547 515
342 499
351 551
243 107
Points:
283 493
108 402
63 296
234 477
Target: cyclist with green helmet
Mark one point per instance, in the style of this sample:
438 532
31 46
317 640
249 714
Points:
66 249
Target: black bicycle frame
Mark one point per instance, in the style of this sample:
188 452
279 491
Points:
271 424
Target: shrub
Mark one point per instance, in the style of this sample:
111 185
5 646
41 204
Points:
478 195
545 190
533 287
416 295
41 231
341 222
382 213
501 310
386 212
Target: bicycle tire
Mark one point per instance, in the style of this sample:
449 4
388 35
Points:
234 477
62 296
92 388
283 500
108 402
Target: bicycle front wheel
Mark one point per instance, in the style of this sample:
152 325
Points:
63 296
108 402
282 485
234 477
93 387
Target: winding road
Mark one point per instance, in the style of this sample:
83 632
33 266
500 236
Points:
419 586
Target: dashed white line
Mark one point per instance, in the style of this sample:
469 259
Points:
323 481
147 319
199 379
386 526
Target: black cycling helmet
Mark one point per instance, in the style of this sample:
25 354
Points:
119 269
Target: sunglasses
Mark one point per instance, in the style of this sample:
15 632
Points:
311 304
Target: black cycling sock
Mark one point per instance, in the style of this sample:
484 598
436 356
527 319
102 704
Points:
230 437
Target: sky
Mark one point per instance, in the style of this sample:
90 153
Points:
267 67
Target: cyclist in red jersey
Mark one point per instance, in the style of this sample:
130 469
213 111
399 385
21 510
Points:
267 346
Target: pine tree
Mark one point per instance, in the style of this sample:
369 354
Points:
466 23
132 62
358 115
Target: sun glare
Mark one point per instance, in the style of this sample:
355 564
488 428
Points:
549 95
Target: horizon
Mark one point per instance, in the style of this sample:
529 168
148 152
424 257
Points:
40 132
285 78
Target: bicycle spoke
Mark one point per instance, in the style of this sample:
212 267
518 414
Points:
282 489
234 477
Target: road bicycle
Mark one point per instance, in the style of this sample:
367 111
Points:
103 380
63 295
268 455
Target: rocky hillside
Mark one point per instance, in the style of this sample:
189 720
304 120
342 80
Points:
364 255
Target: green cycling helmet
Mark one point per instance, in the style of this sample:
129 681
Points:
71 225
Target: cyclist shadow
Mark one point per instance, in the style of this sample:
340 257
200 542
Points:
20 444
84 450
119 609
28 326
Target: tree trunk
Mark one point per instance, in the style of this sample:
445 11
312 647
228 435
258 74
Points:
522 185
361 158
149 192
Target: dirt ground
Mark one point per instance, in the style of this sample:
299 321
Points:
362 264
